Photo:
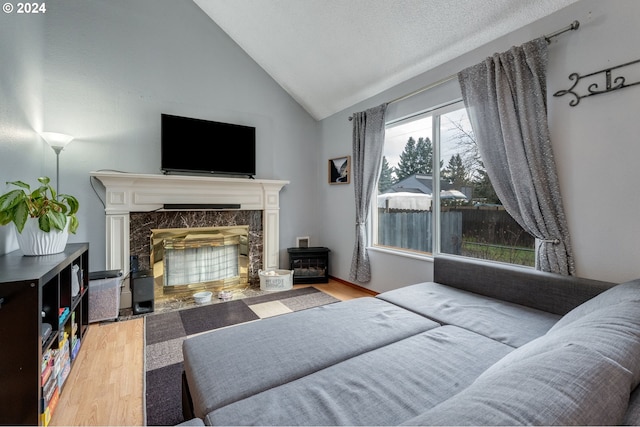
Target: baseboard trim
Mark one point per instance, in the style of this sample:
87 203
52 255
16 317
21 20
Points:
353 285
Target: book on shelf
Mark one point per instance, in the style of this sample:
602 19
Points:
45 331
64 372
63 314
76 348
46 373
49 386
64 360
45 416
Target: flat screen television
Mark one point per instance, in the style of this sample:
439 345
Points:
190 145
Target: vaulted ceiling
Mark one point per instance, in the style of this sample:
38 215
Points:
331 54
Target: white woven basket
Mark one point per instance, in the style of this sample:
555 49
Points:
276 280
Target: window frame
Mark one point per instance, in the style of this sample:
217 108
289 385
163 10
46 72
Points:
436 114
447 107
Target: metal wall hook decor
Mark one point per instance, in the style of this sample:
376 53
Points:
594 88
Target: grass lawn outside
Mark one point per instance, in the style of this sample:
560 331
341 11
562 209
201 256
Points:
510 254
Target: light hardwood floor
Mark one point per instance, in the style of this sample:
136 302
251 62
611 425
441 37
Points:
106 385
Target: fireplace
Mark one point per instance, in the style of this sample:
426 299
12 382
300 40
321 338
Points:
201 256
143 224
137 203
188 260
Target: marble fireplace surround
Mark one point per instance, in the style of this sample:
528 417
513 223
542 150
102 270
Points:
129 192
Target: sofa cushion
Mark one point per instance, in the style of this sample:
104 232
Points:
632 416
629 291
508 323
612 331
227 365
550 292
381 387
567 385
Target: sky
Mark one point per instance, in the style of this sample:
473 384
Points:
397 135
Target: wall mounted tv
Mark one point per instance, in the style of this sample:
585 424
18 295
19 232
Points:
197 146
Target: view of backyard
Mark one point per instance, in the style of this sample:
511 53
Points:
431 161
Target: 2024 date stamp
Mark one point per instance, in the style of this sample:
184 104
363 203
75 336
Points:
25 8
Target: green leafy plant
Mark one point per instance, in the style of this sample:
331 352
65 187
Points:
51 209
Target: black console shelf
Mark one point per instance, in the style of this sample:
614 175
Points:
36 291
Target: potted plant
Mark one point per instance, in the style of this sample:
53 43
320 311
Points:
42 218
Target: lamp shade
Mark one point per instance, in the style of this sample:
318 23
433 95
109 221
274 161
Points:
56 140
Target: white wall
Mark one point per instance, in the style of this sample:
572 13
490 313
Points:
20 105
104 71
596 147
597 143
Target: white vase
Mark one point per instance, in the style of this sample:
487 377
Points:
33 241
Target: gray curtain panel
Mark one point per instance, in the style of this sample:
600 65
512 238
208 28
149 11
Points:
368 142
506 98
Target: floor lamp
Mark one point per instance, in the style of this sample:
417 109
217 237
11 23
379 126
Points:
57 141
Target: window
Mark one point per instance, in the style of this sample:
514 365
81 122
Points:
434 195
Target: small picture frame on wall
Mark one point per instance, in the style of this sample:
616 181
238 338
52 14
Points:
340 170
302 242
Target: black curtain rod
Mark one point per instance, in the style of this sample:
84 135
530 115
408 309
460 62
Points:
573 26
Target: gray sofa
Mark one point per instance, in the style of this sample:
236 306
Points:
484 344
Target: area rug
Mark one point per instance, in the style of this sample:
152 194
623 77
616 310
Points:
165 332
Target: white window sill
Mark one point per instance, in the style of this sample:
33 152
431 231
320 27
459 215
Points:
401 253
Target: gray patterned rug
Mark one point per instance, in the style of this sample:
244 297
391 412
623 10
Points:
165 332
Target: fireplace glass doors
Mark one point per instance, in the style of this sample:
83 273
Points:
188 260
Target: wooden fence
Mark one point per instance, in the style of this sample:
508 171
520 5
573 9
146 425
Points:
493 225
413 229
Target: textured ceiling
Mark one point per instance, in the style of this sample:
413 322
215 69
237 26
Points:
331 54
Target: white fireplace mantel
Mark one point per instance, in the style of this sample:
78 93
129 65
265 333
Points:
130 192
